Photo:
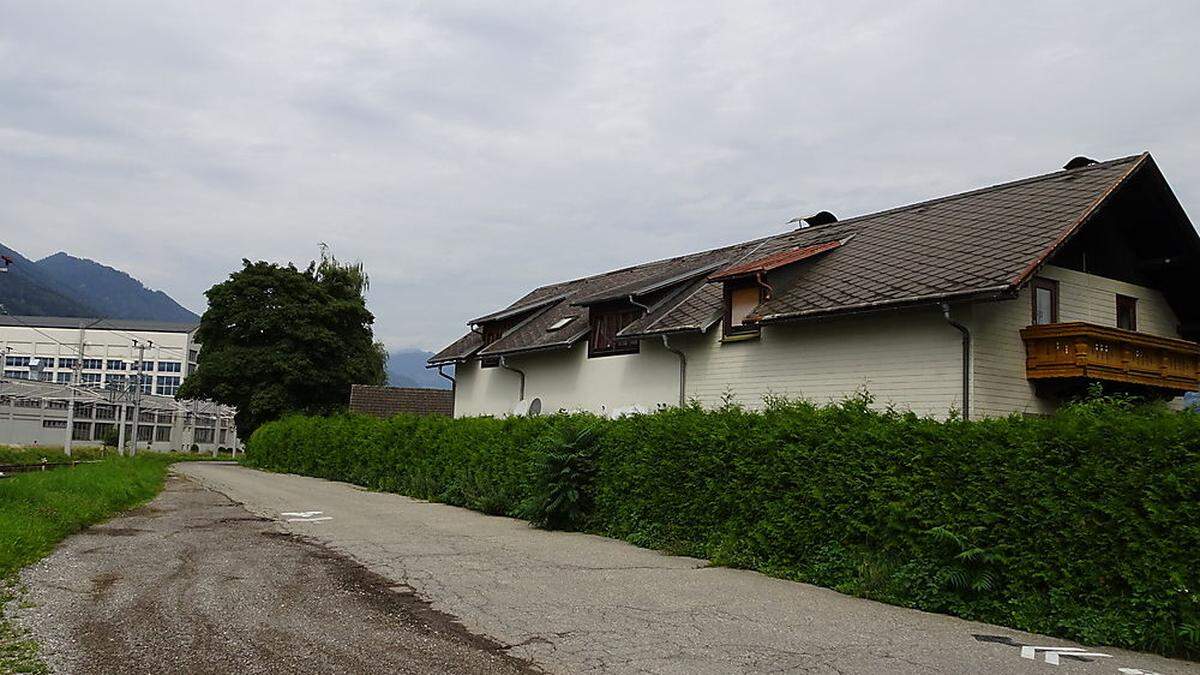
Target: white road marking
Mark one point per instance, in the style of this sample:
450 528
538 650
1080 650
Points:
309 520
1136 671
302 514
1052 654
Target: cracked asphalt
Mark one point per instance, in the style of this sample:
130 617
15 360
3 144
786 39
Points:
195 583
192 583
572 602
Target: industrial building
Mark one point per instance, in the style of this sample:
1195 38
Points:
92 376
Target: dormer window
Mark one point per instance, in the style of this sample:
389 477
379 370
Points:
491 332
741 298
606 323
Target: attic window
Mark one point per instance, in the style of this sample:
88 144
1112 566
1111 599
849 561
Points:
561 323
741 298
606 323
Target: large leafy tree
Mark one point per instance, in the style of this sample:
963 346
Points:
277 339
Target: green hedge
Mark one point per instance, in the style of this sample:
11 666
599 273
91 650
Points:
1084 525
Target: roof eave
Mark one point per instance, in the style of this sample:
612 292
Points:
1003 292
520 309
562 344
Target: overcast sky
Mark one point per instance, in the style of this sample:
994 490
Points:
467 153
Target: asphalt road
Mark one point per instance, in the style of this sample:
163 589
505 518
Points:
192 583
579 603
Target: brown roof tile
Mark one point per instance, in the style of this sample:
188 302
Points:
981 242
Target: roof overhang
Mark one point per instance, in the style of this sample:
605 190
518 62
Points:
517 310
1005 292
624 292
565 343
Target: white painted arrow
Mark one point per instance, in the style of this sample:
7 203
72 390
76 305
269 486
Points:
1052 653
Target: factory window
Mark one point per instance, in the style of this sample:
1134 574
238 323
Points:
81 431
54 424
116 364
168 385
43 361
162 434
170 366
57 405
145 433
17 361
89 379
92 364
101 429
62 378
115 380
84 410
67 363
165 418
106 412
17 374
147 365
28 403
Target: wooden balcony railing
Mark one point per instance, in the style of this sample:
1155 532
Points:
1086 351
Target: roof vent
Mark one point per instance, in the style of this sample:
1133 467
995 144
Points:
1079 162
818 218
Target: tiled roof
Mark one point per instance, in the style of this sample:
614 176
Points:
388 401
981 243
774 261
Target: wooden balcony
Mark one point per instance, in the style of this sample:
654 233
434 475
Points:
1083 351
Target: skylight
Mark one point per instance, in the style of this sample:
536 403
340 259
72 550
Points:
561 323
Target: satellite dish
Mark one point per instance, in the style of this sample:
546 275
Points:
530 407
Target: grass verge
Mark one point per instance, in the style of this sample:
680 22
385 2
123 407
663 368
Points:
38 510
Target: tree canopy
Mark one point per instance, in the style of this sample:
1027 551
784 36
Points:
277 340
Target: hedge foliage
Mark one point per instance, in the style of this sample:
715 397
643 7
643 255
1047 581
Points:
1084 525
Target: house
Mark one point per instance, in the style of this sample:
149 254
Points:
1005 299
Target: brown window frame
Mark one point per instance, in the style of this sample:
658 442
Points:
1050 285
728 330
1131 303
605 324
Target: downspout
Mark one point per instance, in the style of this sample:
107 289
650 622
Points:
682 370
966 360
504 365
453 387
681 355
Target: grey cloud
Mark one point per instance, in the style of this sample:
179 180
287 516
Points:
468 152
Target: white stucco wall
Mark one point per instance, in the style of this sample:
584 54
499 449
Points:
909 359
999 383
567 379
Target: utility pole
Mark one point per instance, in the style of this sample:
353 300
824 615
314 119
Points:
137 392
76 374
12 400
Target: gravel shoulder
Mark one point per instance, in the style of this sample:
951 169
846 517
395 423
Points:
193 583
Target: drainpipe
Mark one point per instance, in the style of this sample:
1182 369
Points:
453 387
966 360
504 365
682 370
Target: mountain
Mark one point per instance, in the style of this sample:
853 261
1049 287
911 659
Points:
63 285
112 292
406 368
27 289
